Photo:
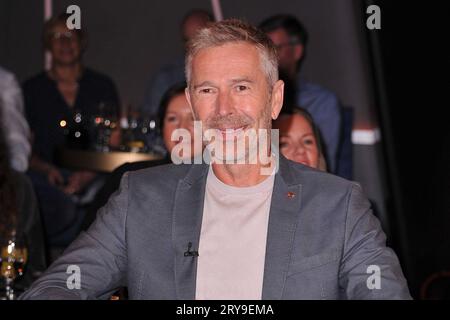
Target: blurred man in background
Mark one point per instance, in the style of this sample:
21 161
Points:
291 39
173 73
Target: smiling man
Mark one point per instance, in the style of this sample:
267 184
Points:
226 231
234 90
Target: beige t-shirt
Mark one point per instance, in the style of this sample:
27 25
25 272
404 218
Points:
233 240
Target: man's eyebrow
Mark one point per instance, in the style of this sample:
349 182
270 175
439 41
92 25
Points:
203 84
237 80
232 81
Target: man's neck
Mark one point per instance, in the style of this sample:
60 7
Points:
241 175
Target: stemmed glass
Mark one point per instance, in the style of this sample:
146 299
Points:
153 140
13 258
105 122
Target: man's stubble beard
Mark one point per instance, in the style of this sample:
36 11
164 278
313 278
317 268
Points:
232 152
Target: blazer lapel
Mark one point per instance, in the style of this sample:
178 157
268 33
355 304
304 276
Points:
283 219
187 221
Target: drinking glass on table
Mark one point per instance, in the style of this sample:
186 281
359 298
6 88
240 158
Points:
149 132
105 122
13 258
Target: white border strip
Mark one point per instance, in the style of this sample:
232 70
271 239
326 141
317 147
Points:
217 10
48 11
366 136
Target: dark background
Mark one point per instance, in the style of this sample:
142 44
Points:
413 64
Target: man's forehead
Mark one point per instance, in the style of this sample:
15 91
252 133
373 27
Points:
232 50
237 60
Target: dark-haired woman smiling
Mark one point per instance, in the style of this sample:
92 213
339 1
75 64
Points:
300 139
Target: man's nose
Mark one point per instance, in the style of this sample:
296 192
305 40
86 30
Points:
224 104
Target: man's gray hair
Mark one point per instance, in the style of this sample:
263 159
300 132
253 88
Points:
229 31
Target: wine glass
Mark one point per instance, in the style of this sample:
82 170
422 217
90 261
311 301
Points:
13 258
105 123
151 135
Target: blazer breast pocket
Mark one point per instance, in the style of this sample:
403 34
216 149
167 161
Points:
313 262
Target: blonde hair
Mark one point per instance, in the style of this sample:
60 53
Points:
229 31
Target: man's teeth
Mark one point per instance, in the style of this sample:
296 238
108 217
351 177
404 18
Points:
231 130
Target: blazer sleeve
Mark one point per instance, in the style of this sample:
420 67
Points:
99 254
369 269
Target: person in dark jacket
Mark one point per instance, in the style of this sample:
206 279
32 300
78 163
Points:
19 214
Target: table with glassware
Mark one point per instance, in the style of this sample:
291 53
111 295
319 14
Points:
89 147
100 161
13 258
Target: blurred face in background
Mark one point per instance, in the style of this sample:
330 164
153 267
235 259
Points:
297 140
289 54
178 116
193 24
65 46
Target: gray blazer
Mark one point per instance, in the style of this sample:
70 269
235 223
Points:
322 238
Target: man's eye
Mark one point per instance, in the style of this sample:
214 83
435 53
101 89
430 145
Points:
206 90
309 142
241 88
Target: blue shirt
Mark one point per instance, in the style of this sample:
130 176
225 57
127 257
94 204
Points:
165 78
323 105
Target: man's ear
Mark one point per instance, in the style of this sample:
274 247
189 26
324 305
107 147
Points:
277 99
299 51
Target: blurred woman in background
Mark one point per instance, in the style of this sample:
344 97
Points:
300 138
51 99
